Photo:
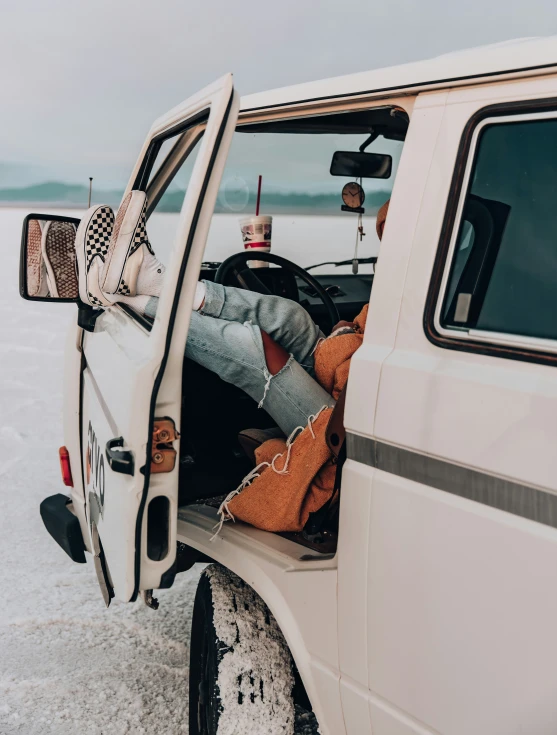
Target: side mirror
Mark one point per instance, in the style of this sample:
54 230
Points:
356 165
47 267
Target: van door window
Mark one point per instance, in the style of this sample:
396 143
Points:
166 198
166 179
503 274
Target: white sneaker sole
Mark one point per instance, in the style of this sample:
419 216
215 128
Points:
91 246
125 255
58 252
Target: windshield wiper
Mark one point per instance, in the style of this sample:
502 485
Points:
342 262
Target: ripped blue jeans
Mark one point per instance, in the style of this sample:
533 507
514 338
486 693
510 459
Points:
225 337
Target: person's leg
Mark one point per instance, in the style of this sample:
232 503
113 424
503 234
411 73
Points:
236 352
284 320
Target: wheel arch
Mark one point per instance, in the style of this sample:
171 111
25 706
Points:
302 603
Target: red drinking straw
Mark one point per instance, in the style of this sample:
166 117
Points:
258 195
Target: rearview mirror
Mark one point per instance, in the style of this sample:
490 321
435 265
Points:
355 165
48 269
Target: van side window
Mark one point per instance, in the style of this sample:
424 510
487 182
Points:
503 276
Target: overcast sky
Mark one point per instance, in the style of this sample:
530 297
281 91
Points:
82 81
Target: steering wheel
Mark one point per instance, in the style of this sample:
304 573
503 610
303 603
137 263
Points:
236 265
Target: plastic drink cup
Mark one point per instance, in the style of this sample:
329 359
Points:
256 235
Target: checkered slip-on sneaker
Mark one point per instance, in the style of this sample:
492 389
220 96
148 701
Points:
36 271
127 247
91 246
58 251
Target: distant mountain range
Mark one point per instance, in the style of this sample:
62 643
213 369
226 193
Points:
56 194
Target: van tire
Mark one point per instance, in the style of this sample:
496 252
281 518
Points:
241 670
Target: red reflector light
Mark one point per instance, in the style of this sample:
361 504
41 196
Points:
65 466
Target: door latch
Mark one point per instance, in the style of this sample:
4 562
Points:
120 460
163 454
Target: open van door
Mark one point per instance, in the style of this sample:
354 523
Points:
131 377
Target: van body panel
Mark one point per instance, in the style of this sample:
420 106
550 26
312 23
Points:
71 424
352 594
388 287
459 627
459 599
436 388
511 59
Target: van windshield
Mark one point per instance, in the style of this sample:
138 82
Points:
301 195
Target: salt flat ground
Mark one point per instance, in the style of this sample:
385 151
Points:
68 666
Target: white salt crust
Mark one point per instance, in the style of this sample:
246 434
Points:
255 675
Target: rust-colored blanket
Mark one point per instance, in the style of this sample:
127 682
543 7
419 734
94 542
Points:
295 478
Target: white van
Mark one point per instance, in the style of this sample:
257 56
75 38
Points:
429 605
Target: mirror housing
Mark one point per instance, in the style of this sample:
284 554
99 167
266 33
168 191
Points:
47 265
356 165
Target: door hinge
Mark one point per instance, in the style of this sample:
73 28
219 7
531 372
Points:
87 317
149 600
163 454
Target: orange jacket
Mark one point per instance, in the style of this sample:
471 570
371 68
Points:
296 479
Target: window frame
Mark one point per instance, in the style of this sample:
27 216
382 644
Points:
163 177
499 344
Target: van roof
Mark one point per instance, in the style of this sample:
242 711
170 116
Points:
507 59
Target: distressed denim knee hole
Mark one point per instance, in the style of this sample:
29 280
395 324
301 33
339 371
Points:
269 377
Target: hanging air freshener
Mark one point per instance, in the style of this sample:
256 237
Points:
353 197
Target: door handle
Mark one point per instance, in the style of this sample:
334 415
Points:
120 460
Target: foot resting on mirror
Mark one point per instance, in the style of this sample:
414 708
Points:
98 239
130 265
91 245
116 262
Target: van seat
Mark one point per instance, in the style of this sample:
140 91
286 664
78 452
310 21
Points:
251 439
